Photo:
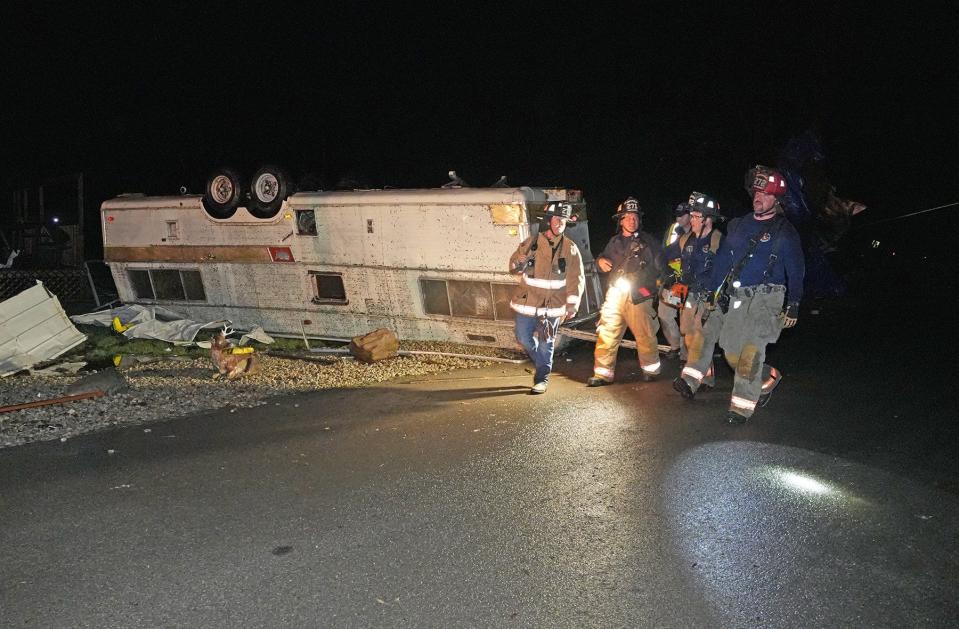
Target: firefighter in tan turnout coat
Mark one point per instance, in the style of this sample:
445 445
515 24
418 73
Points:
551 285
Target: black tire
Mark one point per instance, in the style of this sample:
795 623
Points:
269 187
223 193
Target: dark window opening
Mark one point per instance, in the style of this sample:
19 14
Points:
142 287
167 284
305 223
328 288
193 285
436 301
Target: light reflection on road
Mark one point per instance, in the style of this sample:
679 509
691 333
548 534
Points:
783 536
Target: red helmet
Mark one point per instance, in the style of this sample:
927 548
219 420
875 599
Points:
765 180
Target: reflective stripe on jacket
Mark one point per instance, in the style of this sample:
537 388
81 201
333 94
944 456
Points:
556 279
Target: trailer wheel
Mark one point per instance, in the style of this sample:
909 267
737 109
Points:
269 187
223 193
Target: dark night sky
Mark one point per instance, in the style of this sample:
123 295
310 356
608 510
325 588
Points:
651 101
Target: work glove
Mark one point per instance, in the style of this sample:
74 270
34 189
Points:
789 315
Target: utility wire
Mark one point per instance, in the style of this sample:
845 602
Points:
896 218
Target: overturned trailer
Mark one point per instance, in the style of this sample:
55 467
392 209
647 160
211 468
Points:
430 264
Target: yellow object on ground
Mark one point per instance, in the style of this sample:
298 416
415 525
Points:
119 327
241 350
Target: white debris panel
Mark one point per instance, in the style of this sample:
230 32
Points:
33 329
155 322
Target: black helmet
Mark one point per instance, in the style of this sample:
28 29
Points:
559 209
681 209
629 206
705 205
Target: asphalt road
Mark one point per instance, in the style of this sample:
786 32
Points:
462 501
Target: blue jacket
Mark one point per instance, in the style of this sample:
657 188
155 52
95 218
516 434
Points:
696 260
787 269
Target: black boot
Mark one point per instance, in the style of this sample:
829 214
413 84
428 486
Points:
683 388
735 418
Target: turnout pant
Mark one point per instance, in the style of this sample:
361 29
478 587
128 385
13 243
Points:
618 313
751 323
671 328
700 341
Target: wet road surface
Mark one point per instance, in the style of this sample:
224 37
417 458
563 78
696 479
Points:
462 501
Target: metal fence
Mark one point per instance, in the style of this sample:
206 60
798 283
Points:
69 285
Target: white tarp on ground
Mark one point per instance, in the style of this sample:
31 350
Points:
33 329
152 322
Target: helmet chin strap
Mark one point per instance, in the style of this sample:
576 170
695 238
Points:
766 213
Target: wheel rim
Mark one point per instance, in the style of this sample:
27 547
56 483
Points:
222 189
266 187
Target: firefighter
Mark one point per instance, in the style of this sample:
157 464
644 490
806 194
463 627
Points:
635 262
758 283
666 309
551 285
697 251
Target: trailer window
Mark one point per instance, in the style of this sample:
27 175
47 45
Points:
305 223
193 285
502 293
142 288
167 284
328 288
472 300
435 298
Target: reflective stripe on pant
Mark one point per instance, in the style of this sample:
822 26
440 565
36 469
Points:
700 342
751 323
618 313
530 335
670 326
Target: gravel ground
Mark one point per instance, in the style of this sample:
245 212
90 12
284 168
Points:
169 388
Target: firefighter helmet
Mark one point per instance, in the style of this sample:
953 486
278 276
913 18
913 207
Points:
766 180
559 209
705 205
629 206
681 209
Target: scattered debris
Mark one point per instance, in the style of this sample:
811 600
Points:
10 258
377 345
34 329
56 400
154 322
59 369
181 386
256 334
105 381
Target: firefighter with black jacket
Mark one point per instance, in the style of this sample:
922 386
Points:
551 286
757 284
635 262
